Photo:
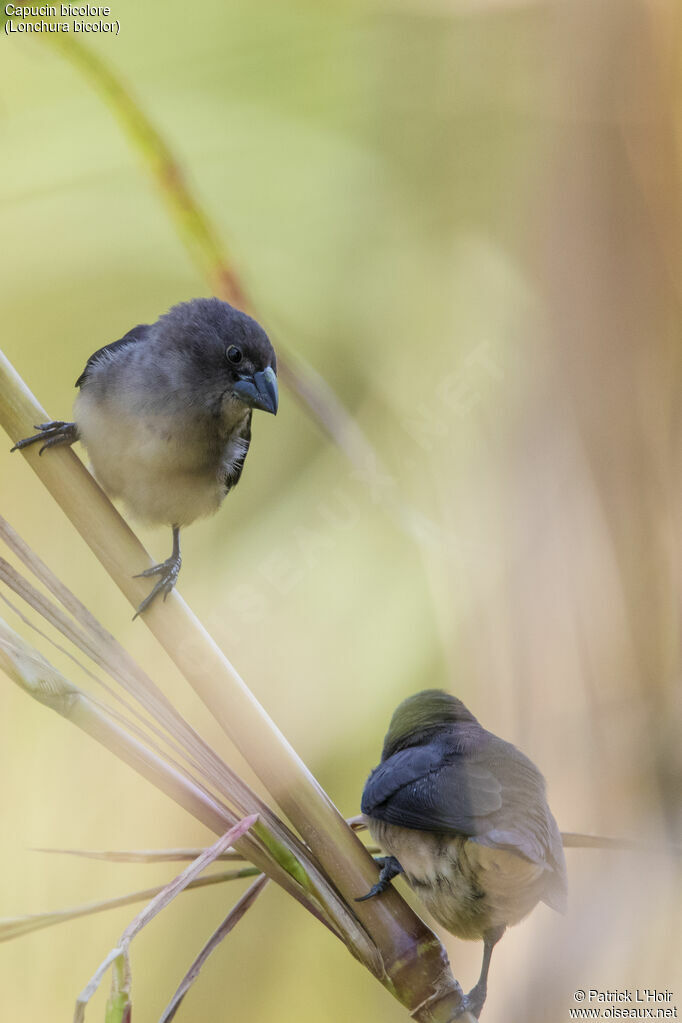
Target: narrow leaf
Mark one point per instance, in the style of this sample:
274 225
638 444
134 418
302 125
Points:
579 840
174 888
120 996
16 927
92 985
230 921
140 855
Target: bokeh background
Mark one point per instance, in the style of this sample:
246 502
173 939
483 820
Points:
465 216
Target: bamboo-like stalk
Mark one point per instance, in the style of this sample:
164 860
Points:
413 965
204 764
164 720
90 636
44 683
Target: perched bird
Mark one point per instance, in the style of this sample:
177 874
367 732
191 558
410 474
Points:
463 815
165 415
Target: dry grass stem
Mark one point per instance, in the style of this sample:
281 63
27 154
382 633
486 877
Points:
16 927
228 924
122 979
43 682
97 643
393 925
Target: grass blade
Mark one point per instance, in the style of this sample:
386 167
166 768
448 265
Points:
119 1000
140 855
228 924
16 927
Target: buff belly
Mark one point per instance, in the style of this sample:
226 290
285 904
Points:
467 887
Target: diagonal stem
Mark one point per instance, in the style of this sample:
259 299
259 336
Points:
403 953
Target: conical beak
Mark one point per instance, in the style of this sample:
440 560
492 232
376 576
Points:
259 391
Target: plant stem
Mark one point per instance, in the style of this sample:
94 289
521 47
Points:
412 962
44 683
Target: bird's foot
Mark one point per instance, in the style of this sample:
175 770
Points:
56 432
168 572
475 1000
390 868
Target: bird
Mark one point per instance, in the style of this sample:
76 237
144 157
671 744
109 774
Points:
463 815
165 416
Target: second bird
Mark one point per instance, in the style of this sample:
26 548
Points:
165 415
464 816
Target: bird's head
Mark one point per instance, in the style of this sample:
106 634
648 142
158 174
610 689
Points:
418 716
231 359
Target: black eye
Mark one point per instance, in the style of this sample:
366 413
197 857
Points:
234 354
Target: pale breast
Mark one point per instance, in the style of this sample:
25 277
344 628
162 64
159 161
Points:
164 471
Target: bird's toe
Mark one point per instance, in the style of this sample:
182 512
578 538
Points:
376 889
168 571
474 1001
52 434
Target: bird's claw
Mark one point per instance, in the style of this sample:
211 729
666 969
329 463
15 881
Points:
54 433
473 1002
376 889
390 868
168 570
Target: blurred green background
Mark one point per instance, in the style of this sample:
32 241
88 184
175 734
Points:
465 216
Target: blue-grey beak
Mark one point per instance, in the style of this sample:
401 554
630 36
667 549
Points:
259 391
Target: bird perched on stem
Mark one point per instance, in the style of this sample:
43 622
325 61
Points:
463 815
165 415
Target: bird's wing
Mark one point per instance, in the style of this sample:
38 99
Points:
108 351
425 789
497 799
556 891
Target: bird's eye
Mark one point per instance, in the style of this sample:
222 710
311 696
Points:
234 354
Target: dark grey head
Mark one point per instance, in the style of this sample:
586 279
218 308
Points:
224 352
421 715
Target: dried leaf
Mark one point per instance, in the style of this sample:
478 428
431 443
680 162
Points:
579 840
119 955
230 921
140 855
16 927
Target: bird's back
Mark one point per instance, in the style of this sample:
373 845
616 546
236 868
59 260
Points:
466 815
